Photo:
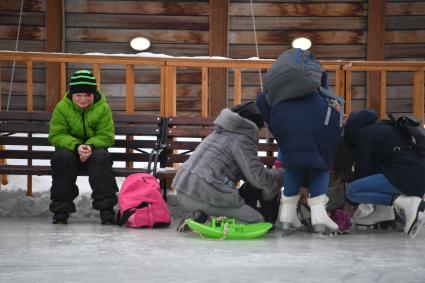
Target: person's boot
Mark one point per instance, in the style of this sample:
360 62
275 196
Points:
382 215
320 220
288 212
107 216
60 217
413 208
197 216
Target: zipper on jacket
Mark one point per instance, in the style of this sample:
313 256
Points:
84 126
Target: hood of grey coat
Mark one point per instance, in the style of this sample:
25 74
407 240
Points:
232 122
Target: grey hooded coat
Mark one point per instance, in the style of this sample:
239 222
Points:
226 156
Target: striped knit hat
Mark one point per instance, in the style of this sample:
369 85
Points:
82 82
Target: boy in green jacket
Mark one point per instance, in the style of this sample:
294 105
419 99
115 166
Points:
81 130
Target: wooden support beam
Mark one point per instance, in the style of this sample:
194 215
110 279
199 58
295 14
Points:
129 89
204 103
29 87
348 91
218 46
375 49
54 43
383 96
62 78
96 73
418 95
170 106
237 87
162 105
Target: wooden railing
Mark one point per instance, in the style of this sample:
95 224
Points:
168 67
384 67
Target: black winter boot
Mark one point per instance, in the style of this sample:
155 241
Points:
197 216
60 217
107 216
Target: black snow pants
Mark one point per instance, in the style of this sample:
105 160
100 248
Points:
66 166
253 197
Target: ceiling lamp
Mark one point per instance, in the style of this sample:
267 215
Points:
301 42
140 43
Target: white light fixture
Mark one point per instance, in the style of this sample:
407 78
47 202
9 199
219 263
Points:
301 42
140 43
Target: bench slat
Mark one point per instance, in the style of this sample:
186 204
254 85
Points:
20 127
47 155
139 130
43 141
46 170
12 140
25 116
136 118
188 121
189 132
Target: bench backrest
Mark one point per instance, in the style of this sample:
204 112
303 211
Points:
184 134
136 136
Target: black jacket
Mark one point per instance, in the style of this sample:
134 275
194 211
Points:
380 148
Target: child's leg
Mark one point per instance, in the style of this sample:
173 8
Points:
318 181
318 185
374 189
65 167
292 181
289 201
243 214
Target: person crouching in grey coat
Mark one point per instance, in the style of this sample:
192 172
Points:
206 183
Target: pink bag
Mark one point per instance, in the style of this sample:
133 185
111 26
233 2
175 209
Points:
141 203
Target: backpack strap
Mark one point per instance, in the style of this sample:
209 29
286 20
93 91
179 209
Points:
122 219
328 94
153 158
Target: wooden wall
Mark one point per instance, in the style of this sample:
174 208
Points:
338 29
31 38
404 40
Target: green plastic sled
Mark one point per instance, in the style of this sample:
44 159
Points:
229 229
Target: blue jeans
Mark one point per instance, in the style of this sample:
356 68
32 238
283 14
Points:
374 189
318 181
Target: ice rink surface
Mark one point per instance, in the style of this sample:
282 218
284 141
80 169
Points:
33 250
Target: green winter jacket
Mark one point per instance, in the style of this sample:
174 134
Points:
71 126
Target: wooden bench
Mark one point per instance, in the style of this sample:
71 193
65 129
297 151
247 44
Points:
24 138
184 134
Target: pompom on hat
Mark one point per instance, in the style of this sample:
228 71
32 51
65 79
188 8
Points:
250 111
82 81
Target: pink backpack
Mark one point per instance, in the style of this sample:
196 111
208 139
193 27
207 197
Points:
141 203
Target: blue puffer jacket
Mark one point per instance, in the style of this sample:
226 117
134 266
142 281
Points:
298 126
373 144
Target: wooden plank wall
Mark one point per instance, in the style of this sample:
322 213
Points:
404 40
31 38
177 28
338 29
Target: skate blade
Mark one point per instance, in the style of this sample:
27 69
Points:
288 232
324 230
384 225
417 225
288 229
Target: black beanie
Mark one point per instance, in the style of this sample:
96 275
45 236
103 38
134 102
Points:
82 82
249 110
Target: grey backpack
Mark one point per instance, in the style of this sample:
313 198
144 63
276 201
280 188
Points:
296 74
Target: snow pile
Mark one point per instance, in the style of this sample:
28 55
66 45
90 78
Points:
15 203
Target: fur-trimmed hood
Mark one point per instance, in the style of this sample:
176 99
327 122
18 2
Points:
232 122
